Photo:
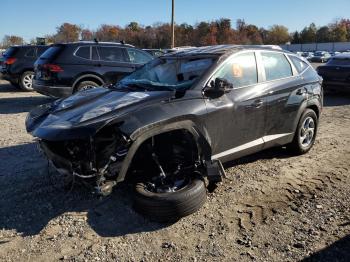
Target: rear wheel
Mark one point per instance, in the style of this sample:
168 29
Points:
305 134
84 85
26 81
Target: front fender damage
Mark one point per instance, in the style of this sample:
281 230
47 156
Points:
108 155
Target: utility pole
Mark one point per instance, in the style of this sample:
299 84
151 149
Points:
172 24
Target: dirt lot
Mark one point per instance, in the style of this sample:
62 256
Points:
272 206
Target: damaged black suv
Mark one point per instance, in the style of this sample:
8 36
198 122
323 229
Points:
168 126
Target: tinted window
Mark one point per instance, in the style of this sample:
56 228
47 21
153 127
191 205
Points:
276 66
94 55
51 52
339 61
240 70
10 51
112 54
83 52
138 57
299 64
30 52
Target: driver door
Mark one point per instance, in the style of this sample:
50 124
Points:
236 120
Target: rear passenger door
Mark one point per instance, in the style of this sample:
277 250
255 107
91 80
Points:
285 93
113 63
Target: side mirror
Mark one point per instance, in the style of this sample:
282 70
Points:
217 88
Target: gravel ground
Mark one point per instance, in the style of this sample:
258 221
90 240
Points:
271 207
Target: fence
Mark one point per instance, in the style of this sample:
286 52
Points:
335 46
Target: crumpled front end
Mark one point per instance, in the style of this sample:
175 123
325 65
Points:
99 156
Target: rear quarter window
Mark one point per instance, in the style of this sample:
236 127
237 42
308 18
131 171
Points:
299 64
276 66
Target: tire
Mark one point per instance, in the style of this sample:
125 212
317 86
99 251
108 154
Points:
85 85
26 81
297 146
170 207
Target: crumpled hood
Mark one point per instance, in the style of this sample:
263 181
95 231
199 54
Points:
94 106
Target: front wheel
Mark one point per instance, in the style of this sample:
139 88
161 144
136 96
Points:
170 203
26 81
305 134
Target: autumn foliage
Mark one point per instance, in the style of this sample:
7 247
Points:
220 31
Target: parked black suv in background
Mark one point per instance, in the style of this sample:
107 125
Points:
336 73
17 64
171 123
66 68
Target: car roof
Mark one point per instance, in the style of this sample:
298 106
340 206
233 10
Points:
344 56
95 43
27 46
222 49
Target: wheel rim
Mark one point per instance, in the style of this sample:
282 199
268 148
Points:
28 81
307 132
167 186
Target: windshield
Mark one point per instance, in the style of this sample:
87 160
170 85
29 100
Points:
168 73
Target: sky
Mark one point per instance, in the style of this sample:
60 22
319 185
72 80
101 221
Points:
32 18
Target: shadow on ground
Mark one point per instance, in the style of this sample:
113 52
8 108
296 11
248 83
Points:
338 251
20 104
30 198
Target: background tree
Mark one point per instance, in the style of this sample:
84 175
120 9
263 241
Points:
323 34
277 35
10 40
67 33
86 34
308 34
107 33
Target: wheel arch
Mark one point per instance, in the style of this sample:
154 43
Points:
87 77
202 144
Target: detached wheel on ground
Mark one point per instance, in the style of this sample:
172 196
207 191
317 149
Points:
86 85
305 134
26 81
170 206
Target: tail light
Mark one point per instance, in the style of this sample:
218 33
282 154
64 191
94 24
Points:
53 68
10 61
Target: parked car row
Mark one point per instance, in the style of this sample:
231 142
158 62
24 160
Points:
319 56
336 73
62 69
168 126
17 65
